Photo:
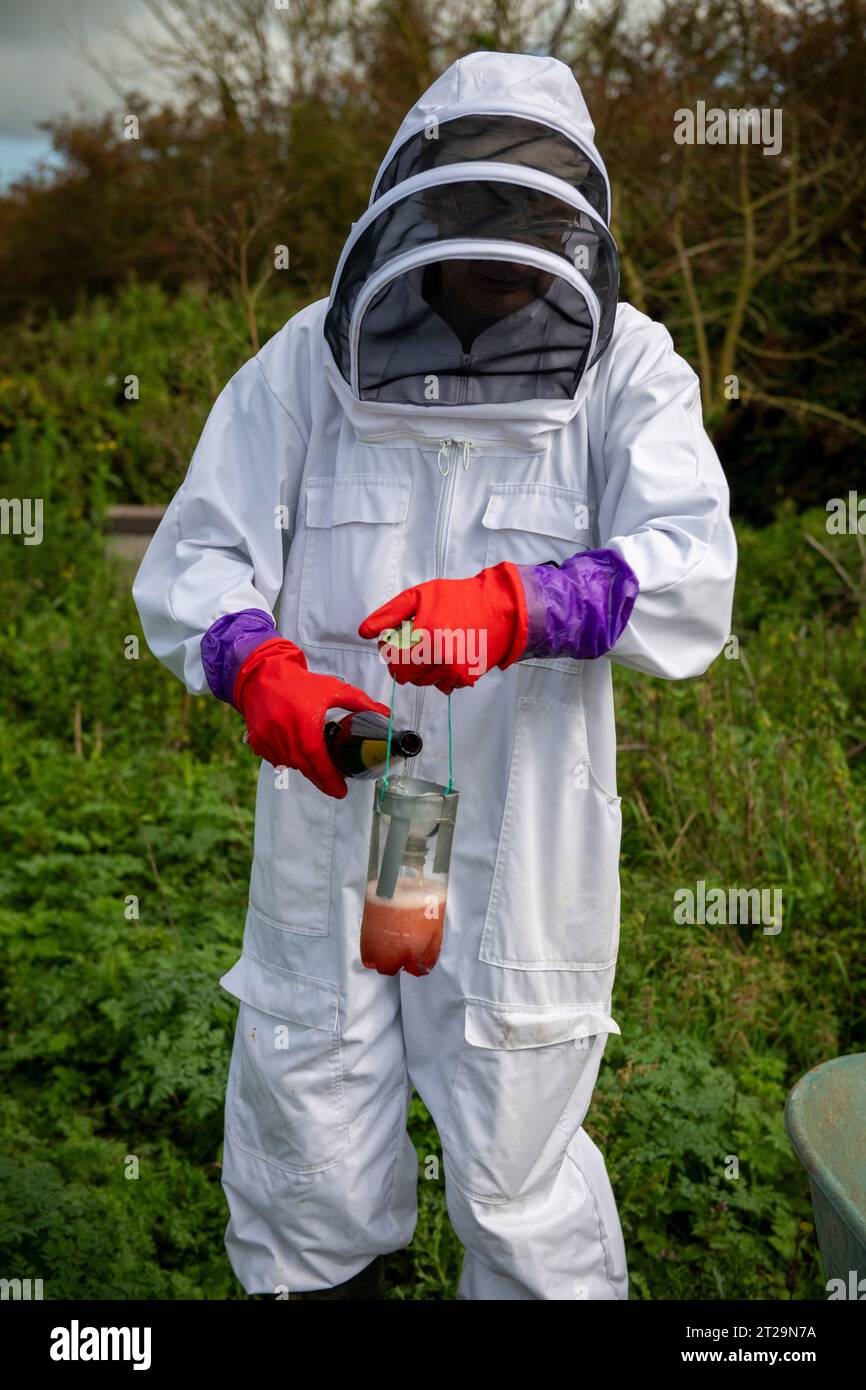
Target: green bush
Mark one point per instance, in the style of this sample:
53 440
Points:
114 783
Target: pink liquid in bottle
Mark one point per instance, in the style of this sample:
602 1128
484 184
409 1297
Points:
403 932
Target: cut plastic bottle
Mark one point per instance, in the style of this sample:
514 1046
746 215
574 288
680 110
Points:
407 876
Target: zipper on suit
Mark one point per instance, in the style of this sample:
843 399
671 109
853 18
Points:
449 448
446 497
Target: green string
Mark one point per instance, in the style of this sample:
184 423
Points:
388 749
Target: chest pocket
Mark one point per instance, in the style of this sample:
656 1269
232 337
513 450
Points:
353 546
528 523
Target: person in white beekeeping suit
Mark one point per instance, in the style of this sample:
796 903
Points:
470 433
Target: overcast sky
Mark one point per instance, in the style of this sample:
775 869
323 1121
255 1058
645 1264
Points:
41 74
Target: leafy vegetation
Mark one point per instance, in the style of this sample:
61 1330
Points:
116 785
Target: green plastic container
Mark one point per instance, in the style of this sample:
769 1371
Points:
826 1120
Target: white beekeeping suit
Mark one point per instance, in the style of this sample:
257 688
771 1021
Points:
398 452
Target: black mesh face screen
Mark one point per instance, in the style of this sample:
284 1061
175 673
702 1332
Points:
408 353
487 327
506 139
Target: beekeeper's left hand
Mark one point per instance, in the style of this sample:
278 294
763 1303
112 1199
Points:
466 627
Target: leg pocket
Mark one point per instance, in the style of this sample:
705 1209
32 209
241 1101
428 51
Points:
522 1086
554 899
284 1100
290 885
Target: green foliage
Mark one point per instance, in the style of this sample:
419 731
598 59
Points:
114 783
712 1201
72 417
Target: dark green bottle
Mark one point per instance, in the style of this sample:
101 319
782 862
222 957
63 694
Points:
358 743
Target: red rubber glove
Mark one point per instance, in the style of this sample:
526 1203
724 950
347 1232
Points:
485 616
286 706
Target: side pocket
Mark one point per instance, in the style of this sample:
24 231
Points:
284 1100
290 884
522 1087
554 899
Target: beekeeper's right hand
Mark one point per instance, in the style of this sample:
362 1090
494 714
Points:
286 707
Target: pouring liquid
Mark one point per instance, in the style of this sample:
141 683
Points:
403 932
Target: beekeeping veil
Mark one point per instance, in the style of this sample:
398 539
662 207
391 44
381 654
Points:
495 165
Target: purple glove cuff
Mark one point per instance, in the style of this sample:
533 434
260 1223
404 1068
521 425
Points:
579 609
227 644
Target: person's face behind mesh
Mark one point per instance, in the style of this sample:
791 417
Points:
494 288
491 288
